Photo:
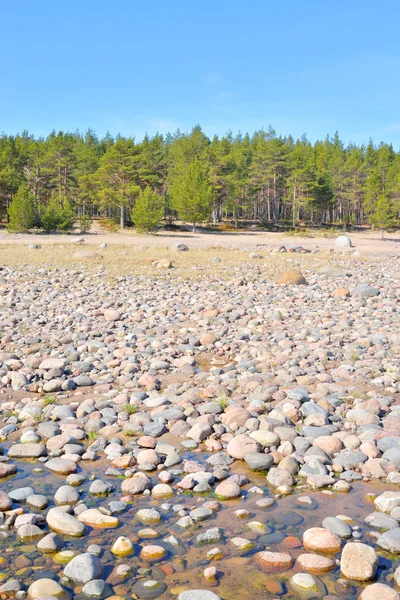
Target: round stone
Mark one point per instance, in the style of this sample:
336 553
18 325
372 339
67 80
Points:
153 553
322 540
241 445
343 242
291 277
228 490
61 466
5 502
122 547
379 591
46 587
148 516
306 585
84 568
274 561
162 490
314 563
62 522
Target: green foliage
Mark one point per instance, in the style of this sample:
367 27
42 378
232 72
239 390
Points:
223 402
384 215
85 223
22 212
58 217
131 409
263 177
128 432
191 193
148 211
49 400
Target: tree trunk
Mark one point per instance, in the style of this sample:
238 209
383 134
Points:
294 206
122 217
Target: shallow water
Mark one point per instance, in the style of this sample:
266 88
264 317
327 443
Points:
239 576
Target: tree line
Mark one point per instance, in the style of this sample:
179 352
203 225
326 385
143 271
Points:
51 182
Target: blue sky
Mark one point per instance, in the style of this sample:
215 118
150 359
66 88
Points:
131 66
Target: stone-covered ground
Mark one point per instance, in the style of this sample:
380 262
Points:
228 428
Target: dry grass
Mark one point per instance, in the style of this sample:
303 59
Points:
119 260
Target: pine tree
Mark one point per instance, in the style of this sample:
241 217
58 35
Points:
148 211
117 177
22 212
58 217
384 215
191 193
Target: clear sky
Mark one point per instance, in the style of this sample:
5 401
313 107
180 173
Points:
130 66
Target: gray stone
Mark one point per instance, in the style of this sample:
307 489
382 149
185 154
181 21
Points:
379 520
94 588
66 494
20 494
258 461
211 536
27 450
198 595
390 540
365 291
84 568
338 526
343 242
349 459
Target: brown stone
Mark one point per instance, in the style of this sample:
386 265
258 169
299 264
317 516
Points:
292 542
274 561
341 292
7 469
291 277
314 563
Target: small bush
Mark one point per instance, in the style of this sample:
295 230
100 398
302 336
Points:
58 217
22 211
223 402
130 409
148 211
85 223
109 225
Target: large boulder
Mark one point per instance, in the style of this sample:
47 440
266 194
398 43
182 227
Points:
343 242
358 561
